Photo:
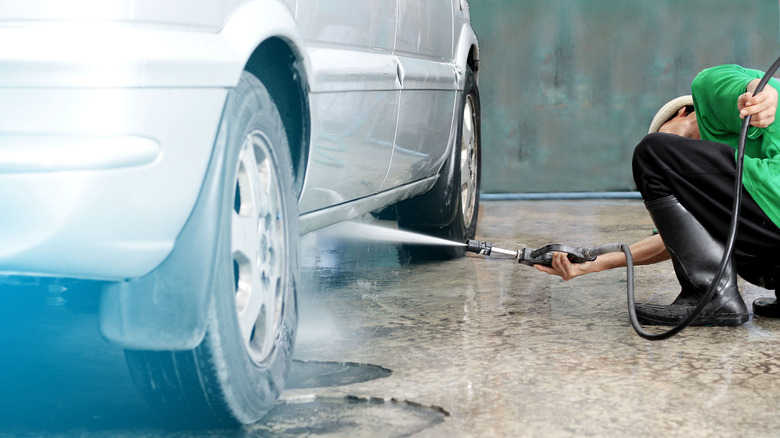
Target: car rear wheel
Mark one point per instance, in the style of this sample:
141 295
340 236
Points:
451 208
237 372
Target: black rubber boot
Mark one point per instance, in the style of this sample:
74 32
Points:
696 257
763 272
767 307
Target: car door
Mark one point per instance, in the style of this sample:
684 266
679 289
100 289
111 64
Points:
354 95
424 48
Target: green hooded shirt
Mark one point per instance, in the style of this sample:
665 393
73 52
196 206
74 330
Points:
715 92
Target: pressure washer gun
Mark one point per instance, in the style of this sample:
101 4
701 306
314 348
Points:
543 255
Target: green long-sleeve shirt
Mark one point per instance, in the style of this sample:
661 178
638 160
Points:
715 92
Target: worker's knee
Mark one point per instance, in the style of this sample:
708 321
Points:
652 157
645 160
650 149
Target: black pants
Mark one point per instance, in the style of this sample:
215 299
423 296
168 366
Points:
701 175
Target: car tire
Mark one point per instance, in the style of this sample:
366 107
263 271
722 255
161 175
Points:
239 369
451 208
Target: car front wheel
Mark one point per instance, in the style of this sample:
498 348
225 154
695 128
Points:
238 371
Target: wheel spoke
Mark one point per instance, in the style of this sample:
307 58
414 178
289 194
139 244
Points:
244 234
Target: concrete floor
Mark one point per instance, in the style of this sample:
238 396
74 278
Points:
474 347
499 349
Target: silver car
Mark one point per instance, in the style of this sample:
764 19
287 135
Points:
175 151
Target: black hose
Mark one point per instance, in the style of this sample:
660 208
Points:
727 254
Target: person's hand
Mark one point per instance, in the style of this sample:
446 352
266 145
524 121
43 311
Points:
761 107
562 267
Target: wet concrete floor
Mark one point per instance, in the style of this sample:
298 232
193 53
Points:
506 350
478 346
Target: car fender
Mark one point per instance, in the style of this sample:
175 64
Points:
466 47
146 313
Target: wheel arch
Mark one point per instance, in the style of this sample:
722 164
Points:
279 65
267 43
467 54
473 60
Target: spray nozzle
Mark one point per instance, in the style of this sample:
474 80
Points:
479 247
487 248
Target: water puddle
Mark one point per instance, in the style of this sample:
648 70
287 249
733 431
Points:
315 415
348 416
314 374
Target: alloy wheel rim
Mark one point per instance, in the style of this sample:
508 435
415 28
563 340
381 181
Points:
257 244
468 161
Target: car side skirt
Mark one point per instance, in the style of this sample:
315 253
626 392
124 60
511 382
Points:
338 213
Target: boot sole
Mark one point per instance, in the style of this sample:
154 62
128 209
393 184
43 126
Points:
650 314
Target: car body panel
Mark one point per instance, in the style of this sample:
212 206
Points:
425 29
425 120
354 98
424 45
345 154
77 215
209 15
357 25
353 125
66 53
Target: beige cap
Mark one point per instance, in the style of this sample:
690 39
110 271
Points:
668 111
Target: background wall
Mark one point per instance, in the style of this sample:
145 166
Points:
568 87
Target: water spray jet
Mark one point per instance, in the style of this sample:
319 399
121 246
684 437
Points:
361 231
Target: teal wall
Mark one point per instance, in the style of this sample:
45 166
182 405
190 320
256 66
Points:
568 87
